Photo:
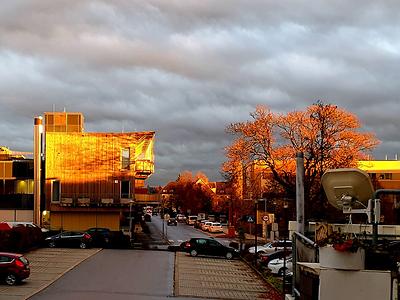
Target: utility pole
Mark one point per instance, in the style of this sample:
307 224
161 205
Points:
255 232
300 192
37 167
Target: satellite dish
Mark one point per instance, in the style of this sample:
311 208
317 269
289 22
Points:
347 189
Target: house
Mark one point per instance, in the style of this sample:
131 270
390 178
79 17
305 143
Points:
92 179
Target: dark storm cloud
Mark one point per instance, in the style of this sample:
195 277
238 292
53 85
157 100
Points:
187 69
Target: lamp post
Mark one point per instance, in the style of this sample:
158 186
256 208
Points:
255 232
285 208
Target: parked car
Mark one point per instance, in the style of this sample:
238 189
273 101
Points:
147 217
191 220
215 227
266 258
101 237
209 246
172 222
202 222
175 248
70 239
181 218
197 224
277 266
272 247
13 268
206 225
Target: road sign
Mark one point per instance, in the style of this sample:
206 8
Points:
250 219
265 218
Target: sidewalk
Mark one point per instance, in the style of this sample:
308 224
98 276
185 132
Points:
47 265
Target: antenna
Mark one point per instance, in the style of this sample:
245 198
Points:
349 190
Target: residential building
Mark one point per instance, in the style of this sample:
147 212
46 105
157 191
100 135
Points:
92 179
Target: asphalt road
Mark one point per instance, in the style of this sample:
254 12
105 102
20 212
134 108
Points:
182 232
117 274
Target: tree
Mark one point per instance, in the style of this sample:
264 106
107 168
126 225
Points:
329 137
192 196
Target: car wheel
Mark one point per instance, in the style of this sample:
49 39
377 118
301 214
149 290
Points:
229 255
82 245
52 244
282 271
11 279
193 253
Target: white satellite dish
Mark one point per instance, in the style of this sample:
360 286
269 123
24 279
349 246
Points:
347 189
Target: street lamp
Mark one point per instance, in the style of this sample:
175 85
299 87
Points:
285 208
255 232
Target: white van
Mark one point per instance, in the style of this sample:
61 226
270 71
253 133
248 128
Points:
190 220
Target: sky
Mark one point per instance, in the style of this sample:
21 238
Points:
187 69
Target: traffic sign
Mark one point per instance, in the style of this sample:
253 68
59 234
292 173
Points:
250 219
265 218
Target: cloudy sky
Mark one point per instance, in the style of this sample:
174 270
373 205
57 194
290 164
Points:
187 69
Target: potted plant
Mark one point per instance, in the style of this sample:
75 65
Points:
341 251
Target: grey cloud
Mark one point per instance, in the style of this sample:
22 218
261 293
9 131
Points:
187 69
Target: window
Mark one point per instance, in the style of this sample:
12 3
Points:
55 191
388 176
126 160
125 189
214 244
5 259
201 242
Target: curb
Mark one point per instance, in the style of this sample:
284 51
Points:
60 275
262 276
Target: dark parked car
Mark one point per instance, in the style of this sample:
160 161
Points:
175 248
147 218
206 246
266 258
70 239
172 222
101 237
13 268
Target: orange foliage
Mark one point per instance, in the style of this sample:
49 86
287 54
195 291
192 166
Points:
329 137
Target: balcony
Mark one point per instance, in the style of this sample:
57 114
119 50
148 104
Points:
144 168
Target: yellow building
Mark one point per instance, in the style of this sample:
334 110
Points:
92 178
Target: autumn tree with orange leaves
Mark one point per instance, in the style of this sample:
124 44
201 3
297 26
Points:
329 137
192 196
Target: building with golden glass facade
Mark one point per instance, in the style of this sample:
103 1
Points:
91 179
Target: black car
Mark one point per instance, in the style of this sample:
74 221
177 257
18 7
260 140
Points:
101 237
147 218
70 239
206 246
175 248
172 222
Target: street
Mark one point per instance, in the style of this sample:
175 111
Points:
117 274
154 275
182 232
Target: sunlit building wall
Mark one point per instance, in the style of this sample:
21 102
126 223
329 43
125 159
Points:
91 177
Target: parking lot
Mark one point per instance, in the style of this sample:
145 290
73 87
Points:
47 265
218 278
